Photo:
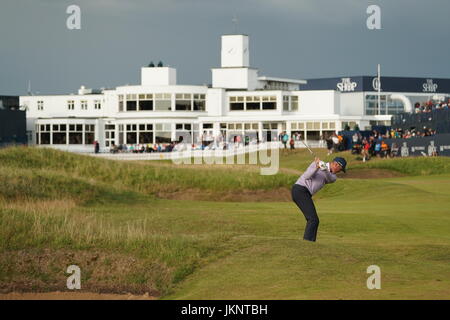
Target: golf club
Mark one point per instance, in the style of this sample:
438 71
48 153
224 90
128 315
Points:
321 163
309 149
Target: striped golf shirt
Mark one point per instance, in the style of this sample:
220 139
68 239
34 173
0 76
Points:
314 179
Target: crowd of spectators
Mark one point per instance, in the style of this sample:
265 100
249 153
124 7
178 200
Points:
412 133
371 146
204 142
431 105
375 145
335 143
285 139
142 148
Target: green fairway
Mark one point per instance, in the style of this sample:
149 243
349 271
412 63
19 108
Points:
58 209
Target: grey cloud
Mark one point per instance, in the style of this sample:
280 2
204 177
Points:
288 38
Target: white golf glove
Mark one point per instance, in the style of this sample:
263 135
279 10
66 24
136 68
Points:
323 166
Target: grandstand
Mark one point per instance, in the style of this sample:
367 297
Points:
431 115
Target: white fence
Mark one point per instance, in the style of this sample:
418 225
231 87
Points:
234 150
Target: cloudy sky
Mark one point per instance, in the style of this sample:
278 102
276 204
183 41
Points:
298 39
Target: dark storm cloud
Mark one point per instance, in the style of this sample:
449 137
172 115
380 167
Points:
288 38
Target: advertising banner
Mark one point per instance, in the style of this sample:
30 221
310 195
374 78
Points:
421 146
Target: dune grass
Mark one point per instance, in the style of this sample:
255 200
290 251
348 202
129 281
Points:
419 166
413 166
143 177
58 209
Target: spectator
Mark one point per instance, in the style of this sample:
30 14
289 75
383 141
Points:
341 143
365 150
355 138
285 139
329 145
378 149
384 149
246 140
335 140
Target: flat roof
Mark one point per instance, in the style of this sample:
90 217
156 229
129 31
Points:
265 78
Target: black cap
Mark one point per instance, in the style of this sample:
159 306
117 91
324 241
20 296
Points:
342 162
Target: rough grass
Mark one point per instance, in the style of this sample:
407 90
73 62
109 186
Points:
148 177
419 166
413 166
137 232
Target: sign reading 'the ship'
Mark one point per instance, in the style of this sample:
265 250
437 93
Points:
346 85
387 84
429 86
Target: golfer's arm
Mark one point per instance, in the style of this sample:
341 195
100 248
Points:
330 177
312 169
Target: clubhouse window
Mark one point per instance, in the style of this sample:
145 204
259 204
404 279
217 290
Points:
163 133
131 102
285 103
163 102
110 134
252 103
71 105
75 134
184 132
393 106
269 103
146 133
236 103
120 102
183 102
146 102
183 126
59 133
65 133
313 125
290 103
297 126
44 134
294 103
199 102
89 133
131 133
243 126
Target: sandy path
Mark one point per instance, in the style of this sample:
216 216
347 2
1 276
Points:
72 296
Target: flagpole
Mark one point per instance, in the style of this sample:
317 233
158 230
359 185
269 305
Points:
379 89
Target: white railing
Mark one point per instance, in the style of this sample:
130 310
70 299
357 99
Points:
232 151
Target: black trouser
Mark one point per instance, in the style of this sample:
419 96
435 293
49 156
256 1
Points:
302 198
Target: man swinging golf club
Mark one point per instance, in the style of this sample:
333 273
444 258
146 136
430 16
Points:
312 180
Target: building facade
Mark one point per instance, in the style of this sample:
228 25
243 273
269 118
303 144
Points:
12 122
397 94
238 102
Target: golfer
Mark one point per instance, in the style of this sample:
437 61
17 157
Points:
312 180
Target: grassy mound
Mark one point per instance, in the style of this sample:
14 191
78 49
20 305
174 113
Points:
414 166
148 177
420 166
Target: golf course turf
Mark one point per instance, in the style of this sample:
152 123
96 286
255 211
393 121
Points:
112 220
